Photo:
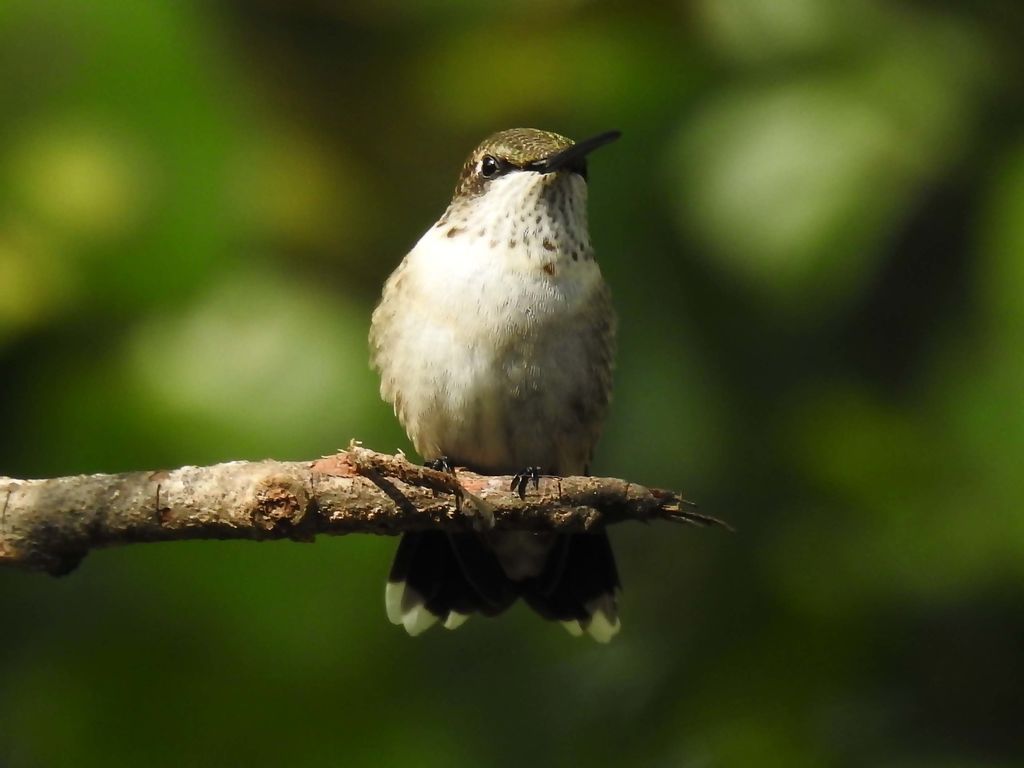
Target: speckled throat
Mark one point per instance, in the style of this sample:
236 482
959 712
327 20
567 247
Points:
524 191
525 217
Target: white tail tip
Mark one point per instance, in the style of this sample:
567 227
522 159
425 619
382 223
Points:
573 627
455 620
405 606
393 594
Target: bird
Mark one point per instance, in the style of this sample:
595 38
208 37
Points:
494 339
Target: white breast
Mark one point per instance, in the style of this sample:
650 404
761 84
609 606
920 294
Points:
483 345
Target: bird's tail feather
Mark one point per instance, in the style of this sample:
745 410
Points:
579 586
437 576
444 576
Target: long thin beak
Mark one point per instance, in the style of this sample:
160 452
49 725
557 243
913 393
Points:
574 157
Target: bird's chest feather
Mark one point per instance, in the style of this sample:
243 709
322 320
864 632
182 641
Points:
482 342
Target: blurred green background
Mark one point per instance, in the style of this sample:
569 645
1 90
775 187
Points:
814 231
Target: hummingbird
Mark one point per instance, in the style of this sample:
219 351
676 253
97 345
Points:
494 340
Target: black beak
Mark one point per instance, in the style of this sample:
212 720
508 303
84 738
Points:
574 158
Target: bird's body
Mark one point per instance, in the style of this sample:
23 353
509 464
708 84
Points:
494 342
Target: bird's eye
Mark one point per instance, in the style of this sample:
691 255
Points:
489 166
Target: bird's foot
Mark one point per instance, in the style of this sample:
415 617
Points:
468 503
522 479
440 464
444 465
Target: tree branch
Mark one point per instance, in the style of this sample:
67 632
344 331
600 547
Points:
50 525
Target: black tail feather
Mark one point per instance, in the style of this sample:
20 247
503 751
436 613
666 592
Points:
580 572
445 574
482 572
447 577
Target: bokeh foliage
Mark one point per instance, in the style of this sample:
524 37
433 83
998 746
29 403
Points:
814 231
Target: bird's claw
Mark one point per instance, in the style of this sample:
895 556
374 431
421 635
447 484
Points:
522 479
440 464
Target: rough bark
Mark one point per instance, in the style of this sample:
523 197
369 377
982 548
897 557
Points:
50 525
